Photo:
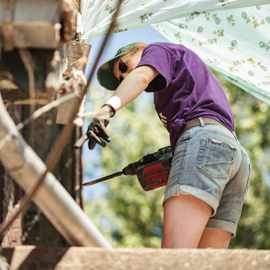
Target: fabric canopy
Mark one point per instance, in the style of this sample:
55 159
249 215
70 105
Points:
232 37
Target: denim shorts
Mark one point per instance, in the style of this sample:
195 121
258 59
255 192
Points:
210 164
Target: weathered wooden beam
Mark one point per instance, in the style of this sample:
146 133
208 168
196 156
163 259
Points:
48 67
17 95
38 34
39 28
80 258
38 24
27 23
26 168
29 10
77 56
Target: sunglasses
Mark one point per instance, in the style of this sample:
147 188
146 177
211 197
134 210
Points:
122 67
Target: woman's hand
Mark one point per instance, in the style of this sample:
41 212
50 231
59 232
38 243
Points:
97 132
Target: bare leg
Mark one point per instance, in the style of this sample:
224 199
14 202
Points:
185 217
214 238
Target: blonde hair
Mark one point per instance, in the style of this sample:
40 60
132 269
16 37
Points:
131 49
134 48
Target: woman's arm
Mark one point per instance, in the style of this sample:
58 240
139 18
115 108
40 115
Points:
133 85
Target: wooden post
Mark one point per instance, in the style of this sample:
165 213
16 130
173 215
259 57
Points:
77 55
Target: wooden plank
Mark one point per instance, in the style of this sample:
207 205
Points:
35 25
43 35
33 10
77 55
81 258
38 34
16 95
48 66
12 63
67 172
37 22
29 23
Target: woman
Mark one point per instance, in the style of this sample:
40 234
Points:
210 170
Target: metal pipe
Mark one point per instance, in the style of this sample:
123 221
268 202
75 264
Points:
54 201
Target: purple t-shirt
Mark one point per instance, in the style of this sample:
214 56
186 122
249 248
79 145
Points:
185 88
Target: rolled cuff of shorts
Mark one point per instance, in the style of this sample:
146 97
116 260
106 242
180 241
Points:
196 192
222 225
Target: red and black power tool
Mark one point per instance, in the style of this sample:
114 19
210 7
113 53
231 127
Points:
152 170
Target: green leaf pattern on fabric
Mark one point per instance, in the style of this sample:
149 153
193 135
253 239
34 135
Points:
214 62
200 29
118 30
224 3
264 45
234 43
231 20
145 17
238 47
182 26
145 2
178 36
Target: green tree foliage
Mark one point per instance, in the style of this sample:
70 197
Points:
130 217
127 215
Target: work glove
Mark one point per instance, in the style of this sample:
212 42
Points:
97 132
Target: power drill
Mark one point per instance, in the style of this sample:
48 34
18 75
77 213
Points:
152 170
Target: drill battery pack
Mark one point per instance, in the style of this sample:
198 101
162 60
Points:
154 174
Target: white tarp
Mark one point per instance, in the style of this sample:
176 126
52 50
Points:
233 37
235 43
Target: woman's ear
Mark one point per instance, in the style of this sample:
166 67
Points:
142 47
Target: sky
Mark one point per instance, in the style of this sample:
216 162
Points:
145 34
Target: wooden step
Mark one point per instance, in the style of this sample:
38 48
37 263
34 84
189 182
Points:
84 258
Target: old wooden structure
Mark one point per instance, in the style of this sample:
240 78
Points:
39 53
